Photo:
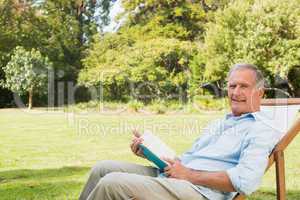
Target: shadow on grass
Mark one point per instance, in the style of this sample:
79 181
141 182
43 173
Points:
10 175
66 183
42 184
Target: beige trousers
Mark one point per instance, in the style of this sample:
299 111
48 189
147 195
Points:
115 180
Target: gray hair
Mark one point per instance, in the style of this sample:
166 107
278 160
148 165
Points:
259 77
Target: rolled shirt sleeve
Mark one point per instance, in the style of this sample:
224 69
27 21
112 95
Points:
246 176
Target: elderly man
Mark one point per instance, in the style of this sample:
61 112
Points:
230 156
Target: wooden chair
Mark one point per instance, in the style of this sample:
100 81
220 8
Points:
277 155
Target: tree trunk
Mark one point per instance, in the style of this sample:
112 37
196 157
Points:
30 98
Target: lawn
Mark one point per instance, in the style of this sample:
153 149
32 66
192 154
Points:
47 154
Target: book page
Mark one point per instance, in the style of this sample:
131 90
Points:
157 146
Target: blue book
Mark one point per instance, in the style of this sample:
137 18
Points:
154 150
153 158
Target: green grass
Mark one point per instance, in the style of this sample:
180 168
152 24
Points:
47 155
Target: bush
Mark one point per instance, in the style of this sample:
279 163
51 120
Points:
175 105
95 106
158 107
134 105
210 103
199 103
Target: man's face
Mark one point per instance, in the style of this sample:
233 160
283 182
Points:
244 96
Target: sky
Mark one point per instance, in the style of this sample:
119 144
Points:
115 10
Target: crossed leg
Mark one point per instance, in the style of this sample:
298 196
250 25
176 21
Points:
114 180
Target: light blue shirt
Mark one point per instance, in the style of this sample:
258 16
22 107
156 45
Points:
240 146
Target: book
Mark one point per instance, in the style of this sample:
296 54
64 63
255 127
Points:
154 149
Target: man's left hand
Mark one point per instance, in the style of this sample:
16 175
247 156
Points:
176 170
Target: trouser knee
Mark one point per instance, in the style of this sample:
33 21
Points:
102 168
114 185
110 180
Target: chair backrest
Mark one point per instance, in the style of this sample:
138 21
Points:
282 114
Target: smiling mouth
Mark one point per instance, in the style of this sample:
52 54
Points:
238 101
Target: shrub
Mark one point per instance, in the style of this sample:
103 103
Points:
134 105
210 103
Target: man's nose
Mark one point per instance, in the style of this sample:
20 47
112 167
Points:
237 90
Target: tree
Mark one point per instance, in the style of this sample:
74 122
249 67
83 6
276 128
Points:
59 29
154 46
15 30
156 67
93 12
197 67
175 18
181 19
266 33
27 72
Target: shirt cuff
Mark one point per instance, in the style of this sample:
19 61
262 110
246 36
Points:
235 180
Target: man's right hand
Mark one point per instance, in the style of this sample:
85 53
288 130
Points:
135 144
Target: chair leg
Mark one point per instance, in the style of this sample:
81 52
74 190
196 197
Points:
280 175
239 197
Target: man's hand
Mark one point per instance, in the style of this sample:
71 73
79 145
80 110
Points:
135 144
176 170
217 180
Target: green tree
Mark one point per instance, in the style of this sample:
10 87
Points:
15 30
59 29
197 67
26 72
266 33
180 19
154 46
157 67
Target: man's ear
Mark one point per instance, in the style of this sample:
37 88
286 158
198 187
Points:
261 92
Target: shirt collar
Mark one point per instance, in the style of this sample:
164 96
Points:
252 115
